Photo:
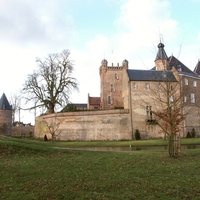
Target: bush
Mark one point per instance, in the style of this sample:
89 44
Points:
193 133
137 134
188 135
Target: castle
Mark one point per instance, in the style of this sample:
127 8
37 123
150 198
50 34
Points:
132 90
126 104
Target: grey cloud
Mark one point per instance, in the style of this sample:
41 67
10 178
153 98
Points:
26 22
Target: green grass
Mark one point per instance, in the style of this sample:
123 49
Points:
29 170
134 143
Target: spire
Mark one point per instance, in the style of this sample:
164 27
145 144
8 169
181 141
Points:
161 55
4 104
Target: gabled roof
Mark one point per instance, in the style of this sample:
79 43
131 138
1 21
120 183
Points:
4 104
174 62
94 100
151 75
197 68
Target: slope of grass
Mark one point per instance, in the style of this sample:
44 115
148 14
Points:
134 143
34 171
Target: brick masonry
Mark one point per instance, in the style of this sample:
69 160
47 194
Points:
87 125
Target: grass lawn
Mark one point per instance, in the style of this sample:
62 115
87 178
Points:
29 170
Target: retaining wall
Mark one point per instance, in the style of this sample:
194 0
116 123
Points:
87 125
22 131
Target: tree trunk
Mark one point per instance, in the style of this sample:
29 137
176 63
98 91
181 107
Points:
50 110
174 144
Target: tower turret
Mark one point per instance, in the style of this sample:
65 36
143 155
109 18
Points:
161 60
125 64
5 116
103 67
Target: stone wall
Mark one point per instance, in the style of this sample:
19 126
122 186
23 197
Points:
5 122
87 125
22 131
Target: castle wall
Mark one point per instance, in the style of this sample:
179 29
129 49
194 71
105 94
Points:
114 77
22 131
87 125
5 122
192 120
111 78
140 98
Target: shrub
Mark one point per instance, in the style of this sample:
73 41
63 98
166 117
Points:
188 135
137 134
193 133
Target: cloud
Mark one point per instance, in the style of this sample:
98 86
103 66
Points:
34 22
139 28
130 30
144 22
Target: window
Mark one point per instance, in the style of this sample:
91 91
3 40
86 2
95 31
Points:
109 100
171 98
134 86
192 98
147 86
186 81
116 77
194 83
185 99
149 113
159 87
111 87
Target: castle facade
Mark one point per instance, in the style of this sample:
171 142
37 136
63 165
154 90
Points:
128 101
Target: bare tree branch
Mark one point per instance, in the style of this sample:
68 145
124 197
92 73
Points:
52 84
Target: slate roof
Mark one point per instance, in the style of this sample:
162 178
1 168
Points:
74 106
189 74
151 75
197 68
80 105
94 100
161 52
4 104
174 62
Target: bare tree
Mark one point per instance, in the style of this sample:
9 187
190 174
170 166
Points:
52 84
15 101
169 112
53 128
164 104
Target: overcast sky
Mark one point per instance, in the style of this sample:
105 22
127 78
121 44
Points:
93 30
